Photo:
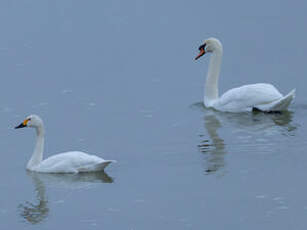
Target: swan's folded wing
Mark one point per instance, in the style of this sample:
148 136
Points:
69 162
246 97
280 104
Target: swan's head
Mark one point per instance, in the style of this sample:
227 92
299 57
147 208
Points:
210 45
33 121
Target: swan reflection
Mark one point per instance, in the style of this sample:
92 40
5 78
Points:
37 212
214 148
256 125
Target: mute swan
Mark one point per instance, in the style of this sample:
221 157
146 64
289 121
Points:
68 162
261 96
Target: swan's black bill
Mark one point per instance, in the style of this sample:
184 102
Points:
22 125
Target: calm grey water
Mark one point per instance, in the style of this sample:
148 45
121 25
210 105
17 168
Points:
117 79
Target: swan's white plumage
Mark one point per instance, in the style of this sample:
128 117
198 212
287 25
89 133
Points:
72 162
262 96
68 162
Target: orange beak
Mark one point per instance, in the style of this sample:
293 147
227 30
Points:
25 122
201 53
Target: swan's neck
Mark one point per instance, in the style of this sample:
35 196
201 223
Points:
211 87
37 155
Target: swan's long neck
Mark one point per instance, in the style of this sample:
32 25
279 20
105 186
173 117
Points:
37 155
211 87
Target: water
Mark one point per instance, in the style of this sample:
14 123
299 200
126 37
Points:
117 79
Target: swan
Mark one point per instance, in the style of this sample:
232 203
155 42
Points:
68 162
261 96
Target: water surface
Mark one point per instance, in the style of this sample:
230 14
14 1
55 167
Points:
117 79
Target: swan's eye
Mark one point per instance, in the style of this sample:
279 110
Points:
202 47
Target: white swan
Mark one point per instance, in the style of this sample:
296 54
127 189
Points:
68 162
261 96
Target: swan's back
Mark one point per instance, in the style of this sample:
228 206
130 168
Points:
71 162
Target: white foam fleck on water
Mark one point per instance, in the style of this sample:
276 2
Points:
90 221
244 137
261 196
41 104
145 111
261 140
66 91
92 104
278 198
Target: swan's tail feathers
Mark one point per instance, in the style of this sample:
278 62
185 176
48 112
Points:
281 104
101 166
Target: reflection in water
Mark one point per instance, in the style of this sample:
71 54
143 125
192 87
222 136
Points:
267 126
215 150
36 213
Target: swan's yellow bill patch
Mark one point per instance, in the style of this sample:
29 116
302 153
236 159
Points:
25 122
